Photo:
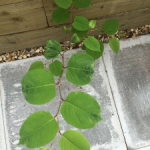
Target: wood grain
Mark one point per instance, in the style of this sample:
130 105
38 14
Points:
39 37
6 2
22 17
99 8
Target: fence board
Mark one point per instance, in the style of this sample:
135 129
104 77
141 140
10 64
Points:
22 17
100 8
39 37
6 2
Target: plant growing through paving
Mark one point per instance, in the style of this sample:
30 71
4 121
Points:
78 109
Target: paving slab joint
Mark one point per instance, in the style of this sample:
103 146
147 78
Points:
114 101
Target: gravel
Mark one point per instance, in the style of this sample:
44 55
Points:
38 51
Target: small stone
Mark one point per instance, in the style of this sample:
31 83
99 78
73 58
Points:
32 51
146 26
28 55
13 54
7 55
132 30
40 48
19 57
134 35
145 29
13 58
37 51
24 56
4 58
9 59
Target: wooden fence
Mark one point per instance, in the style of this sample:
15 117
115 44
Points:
27 23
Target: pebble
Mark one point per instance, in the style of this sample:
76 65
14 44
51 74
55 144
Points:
28 55
38 51
19 57
32 51
24 56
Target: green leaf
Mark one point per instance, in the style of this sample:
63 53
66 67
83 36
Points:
121 35
38 129
63 3
37 65
92 23
45 148
38 86
73 140
81 110
114 44
60 15
56 68
52 49
83 47
80 69
92 43
75 38
96 54
81 23
67 30
110 26
82 3
80 34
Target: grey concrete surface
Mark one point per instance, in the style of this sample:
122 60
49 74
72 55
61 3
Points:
129 76
107 135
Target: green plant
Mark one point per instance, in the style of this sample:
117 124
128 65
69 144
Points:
79 109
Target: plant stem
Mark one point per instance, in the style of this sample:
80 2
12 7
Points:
54 140
61 98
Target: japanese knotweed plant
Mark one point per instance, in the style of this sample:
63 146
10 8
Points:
78 109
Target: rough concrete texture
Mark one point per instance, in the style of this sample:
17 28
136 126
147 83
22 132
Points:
129 76
107 135
121 84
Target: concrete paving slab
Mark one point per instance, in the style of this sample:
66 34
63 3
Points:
107 135
2 129
129 76
144 148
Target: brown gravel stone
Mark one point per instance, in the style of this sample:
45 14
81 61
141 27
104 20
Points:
33 52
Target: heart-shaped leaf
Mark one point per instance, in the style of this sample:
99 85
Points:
38 129
92 23
73 140
63 3
96 54
56 68
81 23
37 65
92 43
38 86
110 26
82 3
80 69
81 110
114 44
52 49
80 34
60 15
75 38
